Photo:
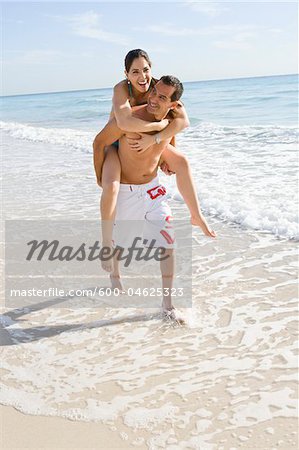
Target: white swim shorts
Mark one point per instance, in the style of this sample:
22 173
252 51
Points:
142 211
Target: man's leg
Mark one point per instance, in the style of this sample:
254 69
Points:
167 272
158 227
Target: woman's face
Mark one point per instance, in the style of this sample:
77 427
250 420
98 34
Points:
140 74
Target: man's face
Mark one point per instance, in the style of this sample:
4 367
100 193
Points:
159 100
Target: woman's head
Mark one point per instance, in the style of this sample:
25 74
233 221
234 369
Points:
138 69
134 54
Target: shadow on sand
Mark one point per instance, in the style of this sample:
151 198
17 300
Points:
27 335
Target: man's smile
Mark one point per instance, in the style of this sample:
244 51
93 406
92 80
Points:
153 106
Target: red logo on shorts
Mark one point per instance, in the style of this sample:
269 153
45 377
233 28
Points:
156 192
167 237
168 220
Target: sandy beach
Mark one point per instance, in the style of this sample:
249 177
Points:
121 378
36 432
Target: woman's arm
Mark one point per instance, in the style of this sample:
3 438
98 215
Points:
178 124
123 113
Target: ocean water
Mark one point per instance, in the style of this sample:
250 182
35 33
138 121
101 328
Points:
242 143
229 378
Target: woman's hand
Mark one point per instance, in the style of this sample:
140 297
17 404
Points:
202 223
162 124
141 144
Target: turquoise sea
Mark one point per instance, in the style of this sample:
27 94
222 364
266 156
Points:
241 143
243 101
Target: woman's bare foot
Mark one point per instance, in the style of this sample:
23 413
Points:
116 283
174 315
197 221
107 264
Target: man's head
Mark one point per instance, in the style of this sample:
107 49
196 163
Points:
164 96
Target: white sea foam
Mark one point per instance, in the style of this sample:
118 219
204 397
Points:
146 376
247 175
244 175
242 191
67 137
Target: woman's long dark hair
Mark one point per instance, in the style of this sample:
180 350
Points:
133 54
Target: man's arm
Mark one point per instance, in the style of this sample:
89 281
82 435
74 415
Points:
109 134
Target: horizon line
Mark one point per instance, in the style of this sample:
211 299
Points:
184 82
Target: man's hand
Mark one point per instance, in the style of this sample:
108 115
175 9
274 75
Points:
165 168
141 144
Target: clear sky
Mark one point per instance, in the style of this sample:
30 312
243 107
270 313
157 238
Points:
59 46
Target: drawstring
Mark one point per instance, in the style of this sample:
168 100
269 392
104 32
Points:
140 191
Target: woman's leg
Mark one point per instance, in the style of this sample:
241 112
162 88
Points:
110 184
179 164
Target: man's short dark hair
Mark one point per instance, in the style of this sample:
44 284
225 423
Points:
169 80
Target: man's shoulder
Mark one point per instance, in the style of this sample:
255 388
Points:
138 107
173 113
139 111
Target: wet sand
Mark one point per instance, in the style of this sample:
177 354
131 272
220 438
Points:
127 379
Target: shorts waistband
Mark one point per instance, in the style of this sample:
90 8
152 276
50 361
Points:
138 187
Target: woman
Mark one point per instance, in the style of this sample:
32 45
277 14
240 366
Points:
132 91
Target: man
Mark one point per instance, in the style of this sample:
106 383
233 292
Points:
142 197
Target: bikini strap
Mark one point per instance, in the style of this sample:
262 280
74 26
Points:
130 89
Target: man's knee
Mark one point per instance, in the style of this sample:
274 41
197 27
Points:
168 260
